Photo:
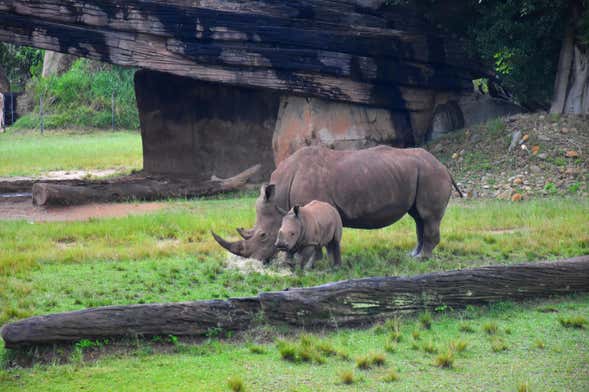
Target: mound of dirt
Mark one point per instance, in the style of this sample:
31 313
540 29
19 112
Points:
517 157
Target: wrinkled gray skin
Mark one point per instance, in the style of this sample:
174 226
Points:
305 230
370 189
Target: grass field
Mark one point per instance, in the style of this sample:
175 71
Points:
28 153
170 256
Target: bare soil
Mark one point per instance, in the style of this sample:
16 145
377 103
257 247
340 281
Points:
22 208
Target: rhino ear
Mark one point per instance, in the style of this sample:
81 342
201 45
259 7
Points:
268 191
295 209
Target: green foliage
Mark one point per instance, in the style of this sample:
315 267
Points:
491 328
391 376
520 38
20 63
82 98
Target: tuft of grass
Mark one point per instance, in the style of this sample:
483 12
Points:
363 362
235 383
288 351
445 360
414 346
347 377
491 328
498 345
429 347
458 346
425 320
391 347
578 322
466 327
416 334
326 348
524 386
538 343
377 359
391 376
257 349
396 337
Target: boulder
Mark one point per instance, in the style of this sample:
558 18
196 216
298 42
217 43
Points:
314 121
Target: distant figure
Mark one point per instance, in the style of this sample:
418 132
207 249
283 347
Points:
2 124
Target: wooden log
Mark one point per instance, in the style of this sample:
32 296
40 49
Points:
359 301
344 303
181 319
147 189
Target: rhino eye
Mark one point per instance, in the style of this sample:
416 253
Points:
292 234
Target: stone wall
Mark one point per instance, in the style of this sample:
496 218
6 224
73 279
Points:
341 126
197 129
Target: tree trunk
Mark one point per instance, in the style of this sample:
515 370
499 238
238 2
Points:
350 302
145 189
571 86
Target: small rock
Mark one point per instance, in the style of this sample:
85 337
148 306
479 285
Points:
543 138
455 155
535 169
571 154
564 130
516 197
542 117
517 181
535 150
524 139
542 155
572 171
486 187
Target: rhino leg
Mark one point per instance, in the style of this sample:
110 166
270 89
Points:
318 253
419 231
431 237
307 257
334 252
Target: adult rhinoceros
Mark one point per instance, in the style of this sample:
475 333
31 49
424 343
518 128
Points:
370 188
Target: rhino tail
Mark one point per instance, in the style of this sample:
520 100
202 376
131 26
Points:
455 186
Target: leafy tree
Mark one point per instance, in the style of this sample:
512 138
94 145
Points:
20 63
522 39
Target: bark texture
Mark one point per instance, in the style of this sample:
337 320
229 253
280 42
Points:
571 86
45 194
342 303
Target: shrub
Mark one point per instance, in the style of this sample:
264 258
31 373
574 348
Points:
539 344
363 362
377 359
81 98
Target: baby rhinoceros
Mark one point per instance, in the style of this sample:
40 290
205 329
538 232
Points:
306 230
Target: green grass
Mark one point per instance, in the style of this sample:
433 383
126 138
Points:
30 153
170 256
562 366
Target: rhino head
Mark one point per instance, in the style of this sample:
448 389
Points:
258 242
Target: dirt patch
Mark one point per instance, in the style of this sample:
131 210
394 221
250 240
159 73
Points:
67 175
22 208
504 231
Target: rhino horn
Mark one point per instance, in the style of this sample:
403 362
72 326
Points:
236 247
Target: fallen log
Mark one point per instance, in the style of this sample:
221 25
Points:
146 189
345 303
